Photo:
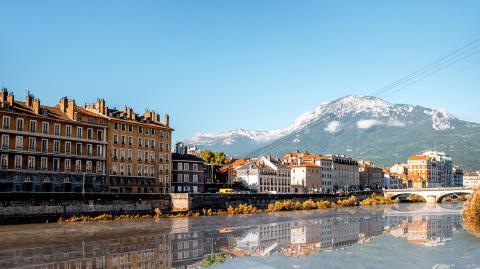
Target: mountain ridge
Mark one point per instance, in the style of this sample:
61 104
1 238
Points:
350 122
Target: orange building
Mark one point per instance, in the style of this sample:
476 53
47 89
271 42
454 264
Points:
423 171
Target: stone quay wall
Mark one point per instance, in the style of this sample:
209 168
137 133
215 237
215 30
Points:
29 207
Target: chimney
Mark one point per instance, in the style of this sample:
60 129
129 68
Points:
10 99
166 120
63 104
3 95
29 100
100 106
36 106
71 109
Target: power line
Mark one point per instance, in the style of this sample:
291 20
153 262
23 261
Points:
431 73
456 54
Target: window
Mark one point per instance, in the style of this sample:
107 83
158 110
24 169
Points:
5 141
44 163
4 161
152 143
115 126
33 126
100 135
180 178
145 170
31 143
140 141
68 147
115 154
186 167
31 162
152 156
146 156
99 151
180 166
56 129
99 166
166 147
140 129
122 169
44 145
129 169
123 140
130 140
56 164
115 139
18 161
130 154
195 178
68 164
147 130
122 154
152 170
147 143
89 133
139 155
78 166
6 123
114 168
139 170
195 167
123 126
56 146
89 166
68 130
79 149
89 149
45 127
19 124
79 132
186 178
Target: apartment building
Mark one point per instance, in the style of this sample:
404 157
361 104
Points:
306 178
471 179
59 148
370 176
445 167
265 175
345 174
188 173
424 172
139 150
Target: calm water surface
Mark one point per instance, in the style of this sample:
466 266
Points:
397 236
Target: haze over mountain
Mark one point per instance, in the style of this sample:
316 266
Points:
361 127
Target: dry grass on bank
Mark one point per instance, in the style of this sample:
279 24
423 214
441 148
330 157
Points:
471 213
242 209
379 200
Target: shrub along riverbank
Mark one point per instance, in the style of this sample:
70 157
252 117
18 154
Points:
471 213
285 205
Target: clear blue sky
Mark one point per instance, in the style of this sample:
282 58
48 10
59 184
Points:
220 65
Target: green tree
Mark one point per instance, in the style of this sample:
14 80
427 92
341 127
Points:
220 157
207 156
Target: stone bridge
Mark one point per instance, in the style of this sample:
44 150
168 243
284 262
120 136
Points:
431 195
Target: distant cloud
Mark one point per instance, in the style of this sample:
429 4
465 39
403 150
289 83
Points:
333 127
367 124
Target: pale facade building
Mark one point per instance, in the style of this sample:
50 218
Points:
265 175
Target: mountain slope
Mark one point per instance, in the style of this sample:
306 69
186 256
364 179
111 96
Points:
362 127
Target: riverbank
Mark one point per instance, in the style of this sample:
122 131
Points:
242 209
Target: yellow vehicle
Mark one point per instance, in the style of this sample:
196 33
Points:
226 191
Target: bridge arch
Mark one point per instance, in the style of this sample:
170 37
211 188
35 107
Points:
441 197
395 196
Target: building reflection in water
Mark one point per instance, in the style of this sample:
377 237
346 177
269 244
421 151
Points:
185 247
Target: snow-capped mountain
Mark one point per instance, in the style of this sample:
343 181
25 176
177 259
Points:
354 125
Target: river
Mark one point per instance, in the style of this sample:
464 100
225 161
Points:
392 236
